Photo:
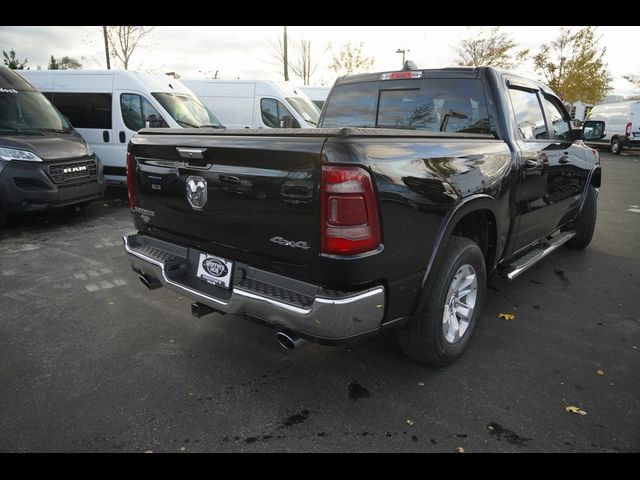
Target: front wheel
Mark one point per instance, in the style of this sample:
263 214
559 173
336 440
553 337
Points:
585 224
616 146
440 332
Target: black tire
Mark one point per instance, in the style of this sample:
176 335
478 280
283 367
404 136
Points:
3 217
585 224
423 339
615 147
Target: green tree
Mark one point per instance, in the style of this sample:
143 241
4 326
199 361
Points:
349 59
573 65
12 62
53 64
490 47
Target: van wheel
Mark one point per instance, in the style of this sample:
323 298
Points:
3 217
439 334
615 148
585 224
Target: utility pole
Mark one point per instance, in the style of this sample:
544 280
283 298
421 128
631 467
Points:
106 47
402 52
286 57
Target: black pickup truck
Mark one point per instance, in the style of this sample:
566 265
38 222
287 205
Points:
418 185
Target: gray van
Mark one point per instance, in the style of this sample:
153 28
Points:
44 162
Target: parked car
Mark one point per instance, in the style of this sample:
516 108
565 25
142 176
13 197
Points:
44 162
108 106
256 103
418 186
623 125
317 95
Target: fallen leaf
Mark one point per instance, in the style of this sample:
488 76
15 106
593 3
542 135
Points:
459 450
600 372
572 409
409 422
506 316
190 392
421 384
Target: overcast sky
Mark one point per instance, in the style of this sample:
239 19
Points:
245 51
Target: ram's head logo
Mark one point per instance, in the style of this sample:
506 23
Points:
197 192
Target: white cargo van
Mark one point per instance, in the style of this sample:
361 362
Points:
107 107
622 124
256 103
317 95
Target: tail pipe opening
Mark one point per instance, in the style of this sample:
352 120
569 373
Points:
150 282
289 340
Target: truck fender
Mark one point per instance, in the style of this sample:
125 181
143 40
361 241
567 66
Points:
462 208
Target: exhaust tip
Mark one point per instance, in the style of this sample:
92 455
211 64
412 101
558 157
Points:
289 340
149 282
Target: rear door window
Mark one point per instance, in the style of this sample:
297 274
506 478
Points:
528 113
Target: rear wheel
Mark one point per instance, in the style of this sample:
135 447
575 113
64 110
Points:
439 333
585 224
3 217
616 146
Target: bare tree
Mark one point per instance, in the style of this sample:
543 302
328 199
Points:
65 63
490 47
349 59
304 65
635 79
124 40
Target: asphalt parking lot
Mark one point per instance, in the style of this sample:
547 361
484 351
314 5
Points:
92 361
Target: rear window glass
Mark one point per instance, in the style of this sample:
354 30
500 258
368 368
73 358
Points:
439 105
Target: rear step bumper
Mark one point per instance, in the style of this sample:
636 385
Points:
312 312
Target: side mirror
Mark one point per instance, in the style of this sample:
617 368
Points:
152 121
593 130
288 122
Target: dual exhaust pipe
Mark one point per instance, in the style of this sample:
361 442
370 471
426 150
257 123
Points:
286 338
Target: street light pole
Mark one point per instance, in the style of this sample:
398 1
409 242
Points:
402 51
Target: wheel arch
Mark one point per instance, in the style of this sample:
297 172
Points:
477 211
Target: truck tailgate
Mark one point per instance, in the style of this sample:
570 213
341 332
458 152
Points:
251 194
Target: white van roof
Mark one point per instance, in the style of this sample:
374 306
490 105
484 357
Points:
316 93
242 88
102 81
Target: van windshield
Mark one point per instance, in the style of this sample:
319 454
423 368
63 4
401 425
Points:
305 109
26 111
187 111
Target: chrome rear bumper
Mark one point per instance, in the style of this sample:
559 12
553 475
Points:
286 303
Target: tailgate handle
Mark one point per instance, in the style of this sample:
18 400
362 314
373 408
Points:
191 153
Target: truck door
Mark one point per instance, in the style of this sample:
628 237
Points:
551 169
135 111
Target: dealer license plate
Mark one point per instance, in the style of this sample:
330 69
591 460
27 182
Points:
215 270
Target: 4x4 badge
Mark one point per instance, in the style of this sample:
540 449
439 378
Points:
197 192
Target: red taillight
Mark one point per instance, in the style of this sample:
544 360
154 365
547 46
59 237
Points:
349 212
130 178
627 131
